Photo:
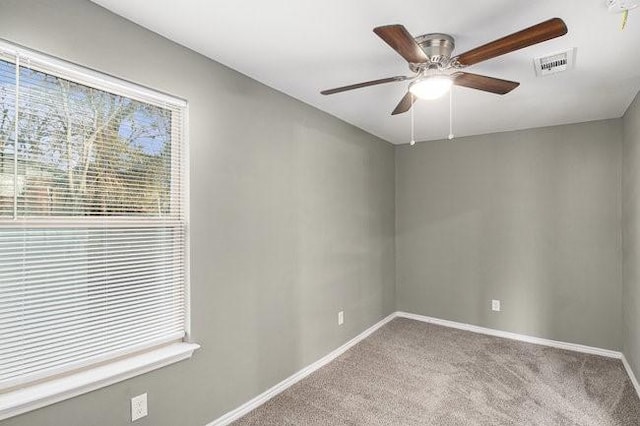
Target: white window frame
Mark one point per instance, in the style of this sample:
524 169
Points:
57 388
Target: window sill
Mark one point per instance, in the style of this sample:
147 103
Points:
38 395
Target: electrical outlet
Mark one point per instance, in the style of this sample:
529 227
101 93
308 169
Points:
138 407
340 317
495 305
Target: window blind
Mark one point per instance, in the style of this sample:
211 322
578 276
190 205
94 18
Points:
93 227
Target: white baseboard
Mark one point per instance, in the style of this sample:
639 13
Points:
254 403
632 376
514 336
245 408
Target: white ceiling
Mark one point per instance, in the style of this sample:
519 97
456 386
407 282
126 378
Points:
301 47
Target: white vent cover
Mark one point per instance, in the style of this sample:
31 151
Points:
555 63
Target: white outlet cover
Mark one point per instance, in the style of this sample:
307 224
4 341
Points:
495 305
138 407
340 317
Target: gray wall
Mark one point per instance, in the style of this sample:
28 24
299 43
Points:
529 217
631 235
293 214
292 220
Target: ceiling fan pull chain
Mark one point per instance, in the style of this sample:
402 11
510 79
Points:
451 113
413 139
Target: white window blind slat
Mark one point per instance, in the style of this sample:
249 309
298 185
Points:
81 315
80 342
114 298
114 283
93 232
125 256
43 260
70 288
40 331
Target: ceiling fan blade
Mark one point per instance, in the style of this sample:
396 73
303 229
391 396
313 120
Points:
405 104
402 42
482 82
538 33
364 84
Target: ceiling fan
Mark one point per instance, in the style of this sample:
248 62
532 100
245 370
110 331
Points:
429 57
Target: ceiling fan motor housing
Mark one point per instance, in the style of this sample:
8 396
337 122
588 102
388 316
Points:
438 47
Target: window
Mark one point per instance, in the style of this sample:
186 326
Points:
93 219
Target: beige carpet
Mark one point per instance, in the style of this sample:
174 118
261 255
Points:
413 373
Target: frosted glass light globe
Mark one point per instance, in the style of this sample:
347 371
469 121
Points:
431 87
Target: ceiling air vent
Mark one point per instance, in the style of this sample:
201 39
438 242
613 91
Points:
552 64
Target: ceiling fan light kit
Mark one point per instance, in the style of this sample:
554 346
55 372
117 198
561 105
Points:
431 87
620 6
435 70
623 7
